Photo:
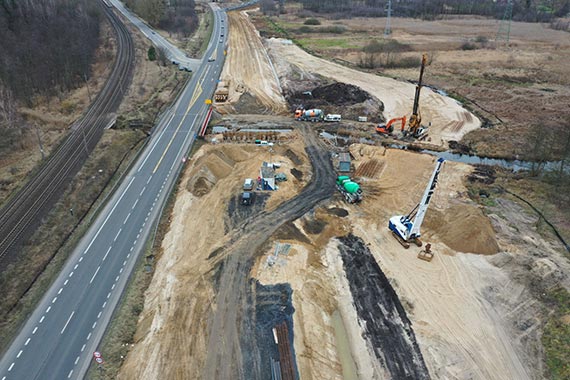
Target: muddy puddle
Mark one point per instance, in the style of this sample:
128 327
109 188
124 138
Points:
349 371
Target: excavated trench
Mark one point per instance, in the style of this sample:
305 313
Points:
382 317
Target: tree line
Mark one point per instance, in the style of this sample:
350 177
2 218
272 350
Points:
174 16
523 10
47 47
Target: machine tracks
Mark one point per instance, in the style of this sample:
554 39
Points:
22 214
230 324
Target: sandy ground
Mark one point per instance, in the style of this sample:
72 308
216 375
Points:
475 340
171 337
449 121
248 68
471 309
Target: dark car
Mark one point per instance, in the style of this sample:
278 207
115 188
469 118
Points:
246 198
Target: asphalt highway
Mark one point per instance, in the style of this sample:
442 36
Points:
61 335
175 55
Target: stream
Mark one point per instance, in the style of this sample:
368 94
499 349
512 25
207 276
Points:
514 165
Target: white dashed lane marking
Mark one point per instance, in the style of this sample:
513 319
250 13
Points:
95 274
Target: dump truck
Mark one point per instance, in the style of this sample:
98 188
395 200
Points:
349 189
309 115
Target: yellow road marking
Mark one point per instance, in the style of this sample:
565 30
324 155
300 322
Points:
197 92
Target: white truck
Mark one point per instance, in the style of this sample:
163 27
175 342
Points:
333 117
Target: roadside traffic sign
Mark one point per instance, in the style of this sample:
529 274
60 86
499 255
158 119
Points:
97 354
99 360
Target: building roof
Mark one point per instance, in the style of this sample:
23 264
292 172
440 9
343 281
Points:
267 172
344 157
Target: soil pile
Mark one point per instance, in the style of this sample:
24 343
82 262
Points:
212 167
335 94
346 99
463 228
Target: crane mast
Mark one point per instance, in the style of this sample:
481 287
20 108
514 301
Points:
406 228
415 118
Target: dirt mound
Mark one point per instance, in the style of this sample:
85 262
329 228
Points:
338 211
293 157
335 94
463 228
214 166
314 226
341 94
297 174
201 186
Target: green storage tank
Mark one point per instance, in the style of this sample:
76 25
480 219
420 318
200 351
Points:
351 187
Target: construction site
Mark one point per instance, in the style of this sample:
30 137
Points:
318 233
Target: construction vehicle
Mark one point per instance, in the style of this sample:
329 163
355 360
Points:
415 128
309 115
332 117
426 254
349 189
406 228
387 129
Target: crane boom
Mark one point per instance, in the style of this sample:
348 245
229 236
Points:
402 226
423 206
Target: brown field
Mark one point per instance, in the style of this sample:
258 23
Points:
516 88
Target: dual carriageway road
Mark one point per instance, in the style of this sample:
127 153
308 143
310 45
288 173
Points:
59 338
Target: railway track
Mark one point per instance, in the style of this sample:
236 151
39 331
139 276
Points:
22 214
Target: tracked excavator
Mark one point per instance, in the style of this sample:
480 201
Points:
389 128
415 128
406 228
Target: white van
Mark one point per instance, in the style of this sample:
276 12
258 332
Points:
248 184
331 117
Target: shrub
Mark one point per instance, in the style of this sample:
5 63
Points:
481 39
468 46
151 53
306 29
386 46
312 21
336 29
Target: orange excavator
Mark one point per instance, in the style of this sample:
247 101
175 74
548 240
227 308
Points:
389 128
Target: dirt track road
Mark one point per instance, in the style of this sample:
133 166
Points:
227 324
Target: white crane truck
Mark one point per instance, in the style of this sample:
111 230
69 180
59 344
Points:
406 228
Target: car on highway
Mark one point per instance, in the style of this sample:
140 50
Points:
221 40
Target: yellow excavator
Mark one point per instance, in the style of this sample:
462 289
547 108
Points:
415 128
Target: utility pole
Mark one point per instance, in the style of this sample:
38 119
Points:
40 142
388 28
87 83
504 32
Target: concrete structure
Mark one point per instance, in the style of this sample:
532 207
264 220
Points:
267 177
344 163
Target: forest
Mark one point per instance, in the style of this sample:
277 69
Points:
174 16
523 10
47 47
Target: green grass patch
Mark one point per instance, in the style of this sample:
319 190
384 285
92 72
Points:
556 335
328 43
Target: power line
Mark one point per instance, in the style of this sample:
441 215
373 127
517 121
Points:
504 32
388 28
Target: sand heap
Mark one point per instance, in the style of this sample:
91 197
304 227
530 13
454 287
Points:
463 229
